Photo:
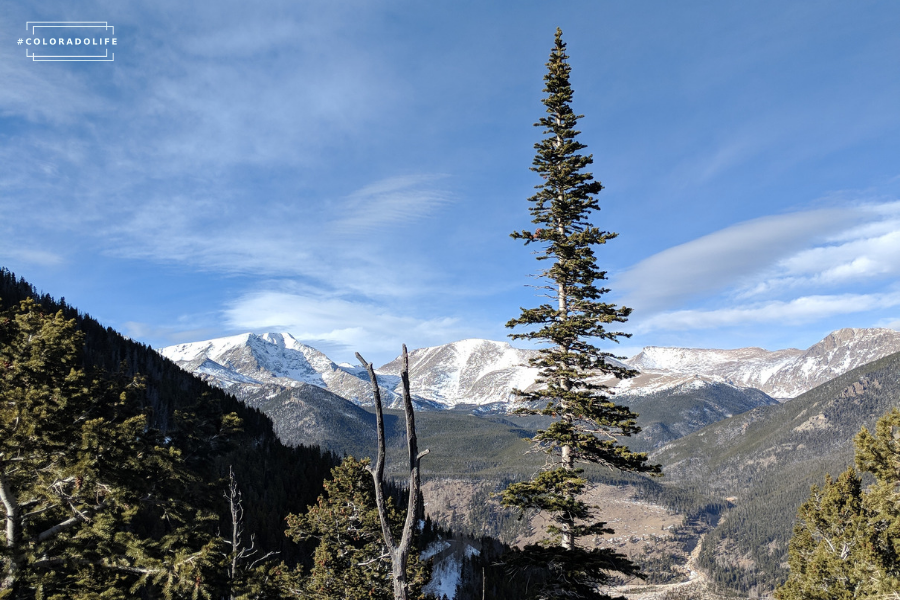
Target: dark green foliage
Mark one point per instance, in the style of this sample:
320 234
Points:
587 425
830 552
351 559
570 573
167 432
846 542
487 574
94 500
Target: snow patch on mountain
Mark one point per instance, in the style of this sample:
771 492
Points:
273 359
781 373
470 371
484 373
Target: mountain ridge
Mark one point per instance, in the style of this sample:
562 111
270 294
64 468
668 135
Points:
780 373
483 373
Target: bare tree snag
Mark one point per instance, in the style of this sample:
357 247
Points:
240 553
399 553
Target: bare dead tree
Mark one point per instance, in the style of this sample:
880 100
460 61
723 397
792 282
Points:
240 554
399 553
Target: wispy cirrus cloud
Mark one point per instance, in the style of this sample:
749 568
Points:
389 202
232 235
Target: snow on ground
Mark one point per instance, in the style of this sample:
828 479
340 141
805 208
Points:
445 578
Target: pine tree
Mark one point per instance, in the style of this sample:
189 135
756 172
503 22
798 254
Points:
351 559
90 495
846 541
587 425
830 547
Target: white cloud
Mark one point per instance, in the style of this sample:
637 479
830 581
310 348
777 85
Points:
716 261
801 310
863 253
790 270
339 327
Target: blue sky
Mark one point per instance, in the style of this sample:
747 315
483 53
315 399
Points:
350 171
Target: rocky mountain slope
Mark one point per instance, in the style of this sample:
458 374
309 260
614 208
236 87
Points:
312 416
780 374
479 372
248 363
764 462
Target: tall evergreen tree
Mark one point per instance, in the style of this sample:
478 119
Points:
587 425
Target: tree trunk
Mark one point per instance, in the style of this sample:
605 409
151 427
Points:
398 572
567 527
399 553
567 534
13 530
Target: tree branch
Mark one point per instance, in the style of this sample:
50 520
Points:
68 523
378 472
35 513
376 559
55 562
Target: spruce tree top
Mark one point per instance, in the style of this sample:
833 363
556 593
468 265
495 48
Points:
561 208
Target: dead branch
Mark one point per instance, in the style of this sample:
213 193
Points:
399 553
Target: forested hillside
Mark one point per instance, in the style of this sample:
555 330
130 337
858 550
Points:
274 479
765 460
191 487
667 415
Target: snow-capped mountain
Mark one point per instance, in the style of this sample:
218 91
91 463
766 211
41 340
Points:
248 362
472 371
484 372
781 373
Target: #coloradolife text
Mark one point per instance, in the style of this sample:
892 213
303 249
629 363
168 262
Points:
71 42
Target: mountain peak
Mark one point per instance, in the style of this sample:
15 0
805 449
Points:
484 372
780 373
852 335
